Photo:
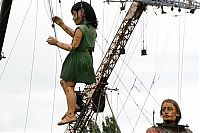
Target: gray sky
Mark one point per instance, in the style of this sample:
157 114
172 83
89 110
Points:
166 37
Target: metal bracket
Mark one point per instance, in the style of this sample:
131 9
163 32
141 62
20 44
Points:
2 55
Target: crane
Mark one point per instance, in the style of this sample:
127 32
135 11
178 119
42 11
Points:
4 15
95 100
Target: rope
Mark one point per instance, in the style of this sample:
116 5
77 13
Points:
32 67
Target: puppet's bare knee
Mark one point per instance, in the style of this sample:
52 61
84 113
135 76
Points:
70 83
67 85
63 83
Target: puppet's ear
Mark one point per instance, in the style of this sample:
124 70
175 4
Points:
177 114
83 12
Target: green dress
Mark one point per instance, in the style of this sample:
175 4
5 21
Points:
78 65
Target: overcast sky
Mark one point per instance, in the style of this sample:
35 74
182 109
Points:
29 76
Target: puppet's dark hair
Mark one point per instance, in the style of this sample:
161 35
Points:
89 12
176 106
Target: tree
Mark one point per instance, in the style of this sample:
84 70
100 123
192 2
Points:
92 127
110 125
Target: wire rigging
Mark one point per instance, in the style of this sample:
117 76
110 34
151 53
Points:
13 46
103 38
57 51
54 92
126 55
46 10
127 97
129 93
140 82
32 68
116 19
144 103
52 15
126 114
123 59
181 59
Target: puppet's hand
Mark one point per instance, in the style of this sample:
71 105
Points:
152 130
57 20
52 40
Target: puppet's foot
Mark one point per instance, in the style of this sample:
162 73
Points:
64 116
67 119
76 110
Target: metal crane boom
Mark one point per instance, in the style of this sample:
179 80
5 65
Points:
4 15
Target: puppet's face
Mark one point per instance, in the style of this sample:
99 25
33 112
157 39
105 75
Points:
169 112
78 16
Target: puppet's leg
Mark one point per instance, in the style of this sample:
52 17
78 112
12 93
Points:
68 88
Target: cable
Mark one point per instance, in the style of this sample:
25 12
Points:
129 93
180 65
54 93
49 15
144 104
126 114
32 68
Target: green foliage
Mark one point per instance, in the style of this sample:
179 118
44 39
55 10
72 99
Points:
109 126
92 127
